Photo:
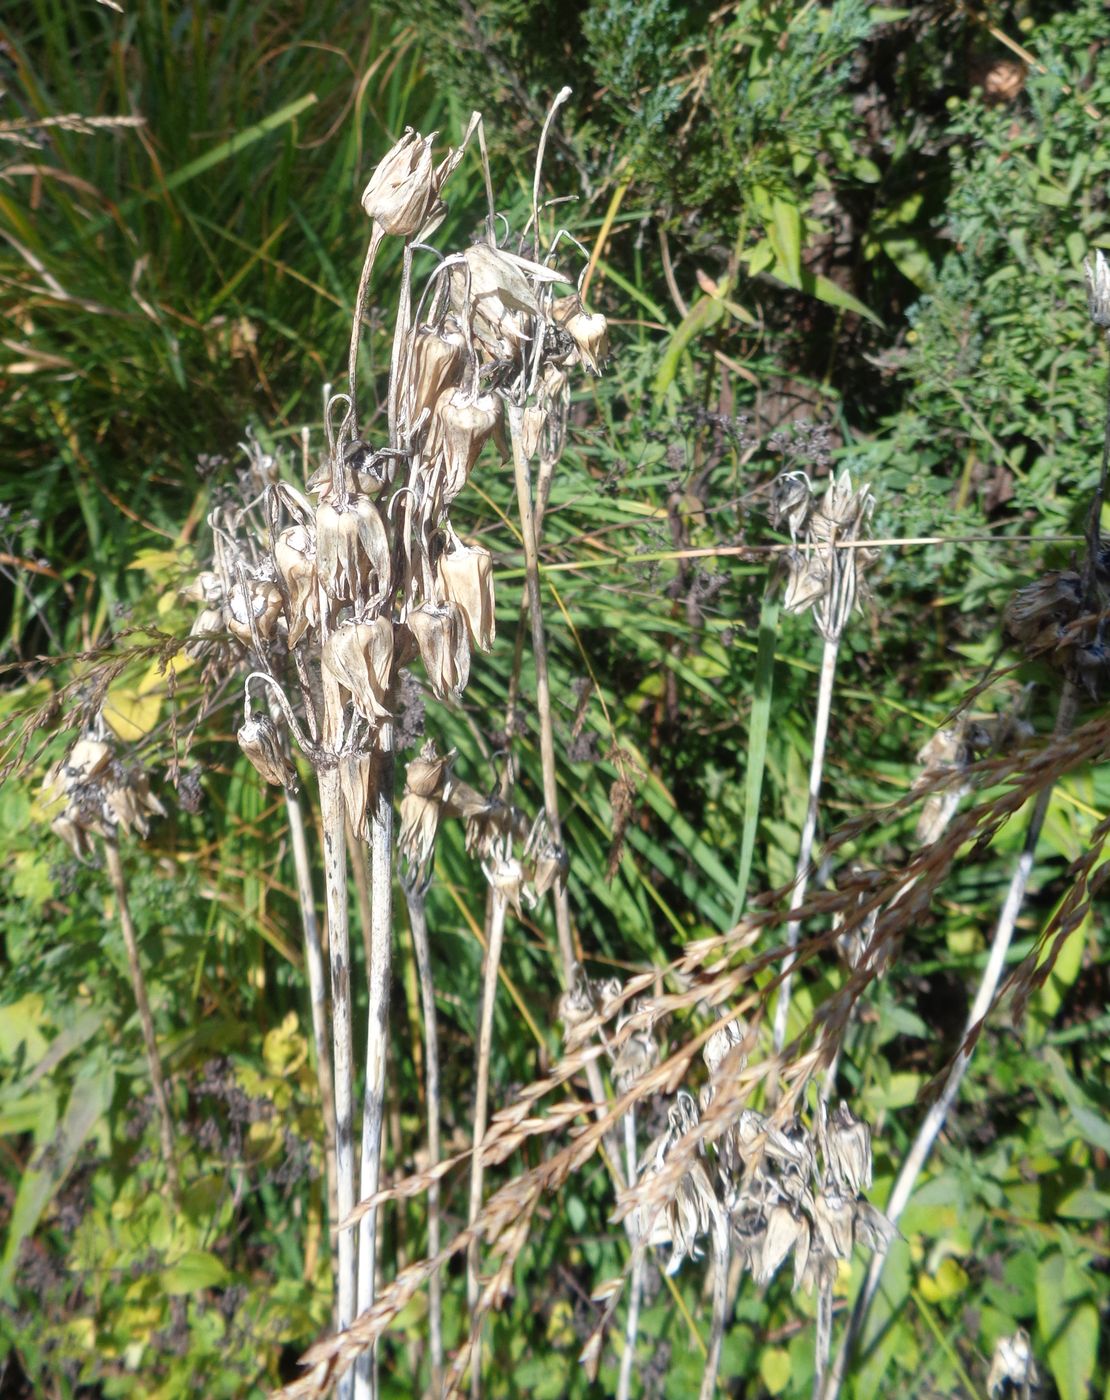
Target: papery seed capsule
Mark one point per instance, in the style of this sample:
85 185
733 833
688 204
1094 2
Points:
352 551
833 1218
259 740
727 1035
806 584
359 655
416 841
848 1150
425 774
435 365
86 759
533 422
590 333
205 588
466 573
263 600
403 189
783 1230
295 560
441 634
465 425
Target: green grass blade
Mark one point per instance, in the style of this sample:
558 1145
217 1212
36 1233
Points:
757 743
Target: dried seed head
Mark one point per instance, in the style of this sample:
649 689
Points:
426 774
576 1004
873 1230
495 290
258 738
638 1055
689 1208
206 588
466 574
295 560
833 1224
403 192
505 875
1097 274
352 552
208 624
417 838
359 655
260 599
90 791
464 424
441 634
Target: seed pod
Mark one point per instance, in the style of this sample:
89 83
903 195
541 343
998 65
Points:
808 582
352 551
258 738
1097 275
435 364
417 838
783 1231
505 875
464 426
727 1035
792 502
1036 614
130 803
533 422
440 632
466 573
403 190
588 330
425 774
295 560
85 761
874 1230
263 600
359 655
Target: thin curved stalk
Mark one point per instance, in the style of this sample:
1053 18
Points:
934 1120
419 925
138 986
333 818
314 964
377 1040
809 828
491 964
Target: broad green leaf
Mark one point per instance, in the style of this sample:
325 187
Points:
1068 1323
775 1368
193 1271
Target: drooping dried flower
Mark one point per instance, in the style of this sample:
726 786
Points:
295 560
441 635
1097 273
421 809
588 330
258 738
356 781
464 424
846 1145
690 1206
1013 1371
260 598
352 551
359 655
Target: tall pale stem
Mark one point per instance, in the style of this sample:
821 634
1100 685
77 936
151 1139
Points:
317 992
934 1120
422 948
636 1280
377 1037
547 735
720 1247
333 818
809 828
481 1113
138 986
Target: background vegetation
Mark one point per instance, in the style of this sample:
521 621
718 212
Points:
830 235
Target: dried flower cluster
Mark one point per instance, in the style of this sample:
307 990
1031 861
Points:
90 792
1056 620
824 574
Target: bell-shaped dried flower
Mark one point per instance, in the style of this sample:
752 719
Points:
588 330
403 191
784 1229
206 588
466 574
436 359
426 775
129 802
352 551
260 599
576 1004
359 655
691 1204
505 876
441 635
873 1230
464 424
207 627
791 502
258 738
807 582
832 1219
295 561
1013 1372
421 809
728 1035
1036 615
846 1146
496 291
